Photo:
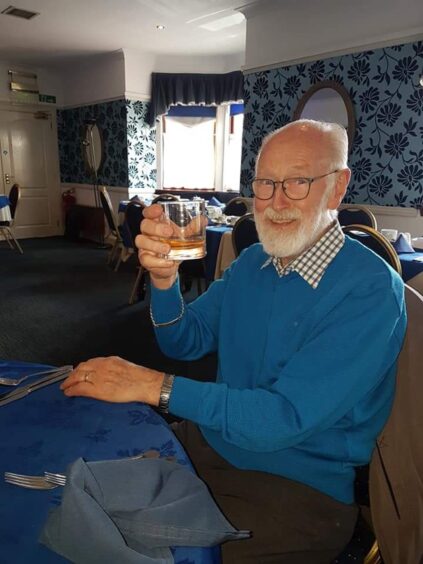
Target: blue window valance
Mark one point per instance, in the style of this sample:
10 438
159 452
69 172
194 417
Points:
168 89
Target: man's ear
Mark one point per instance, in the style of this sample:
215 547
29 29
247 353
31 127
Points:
342 181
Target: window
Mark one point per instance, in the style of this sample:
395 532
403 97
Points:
200 147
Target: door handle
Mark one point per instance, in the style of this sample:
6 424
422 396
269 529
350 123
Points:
7 178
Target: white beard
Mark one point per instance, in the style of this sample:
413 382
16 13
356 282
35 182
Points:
280 243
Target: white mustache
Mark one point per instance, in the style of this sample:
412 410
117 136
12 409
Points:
285 215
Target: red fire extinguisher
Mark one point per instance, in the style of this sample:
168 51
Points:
68 200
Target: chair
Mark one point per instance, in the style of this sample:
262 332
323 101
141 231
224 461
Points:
5 226
244 233
376 242
165 198
118 245
361 215
396 468
133 218
237 206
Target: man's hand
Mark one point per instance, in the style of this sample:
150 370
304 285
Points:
151 250
114 379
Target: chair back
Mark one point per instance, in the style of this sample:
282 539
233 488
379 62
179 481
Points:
133 218
244 233
14 196
357 215
376 242
165 198
107 206
236 206
396 468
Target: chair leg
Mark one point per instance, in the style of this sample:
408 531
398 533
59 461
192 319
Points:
15 241
139 280
373 556
120 258
112 252
11 239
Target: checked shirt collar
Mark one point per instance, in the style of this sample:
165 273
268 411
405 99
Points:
313 262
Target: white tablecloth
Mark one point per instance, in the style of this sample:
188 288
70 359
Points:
5 214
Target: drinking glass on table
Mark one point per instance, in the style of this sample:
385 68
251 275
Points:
188 220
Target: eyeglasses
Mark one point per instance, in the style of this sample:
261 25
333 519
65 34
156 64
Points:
294 188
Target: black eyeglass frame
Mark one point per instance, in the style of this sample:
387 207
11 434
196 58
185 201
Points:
310 181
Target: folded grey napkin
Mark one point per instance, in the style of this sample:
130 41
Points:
131 511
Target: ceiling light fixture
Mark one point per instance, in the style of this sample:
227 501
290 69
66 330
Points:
160 27
19 13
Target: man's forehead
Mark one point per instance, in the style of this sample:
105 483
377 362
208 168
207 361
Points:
295 148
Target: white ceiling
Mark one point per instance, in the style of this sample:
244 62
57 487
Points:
70 29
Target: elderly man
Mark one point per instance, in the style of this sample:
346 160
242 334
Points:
307 326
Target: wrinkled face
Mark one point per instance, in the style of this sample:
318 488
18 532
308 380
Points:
287 227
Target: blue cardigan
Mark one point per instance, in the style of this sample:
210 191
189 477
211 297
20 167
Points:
306 376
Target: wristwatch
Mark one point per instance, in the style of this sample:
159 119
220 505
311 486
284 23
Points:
165 392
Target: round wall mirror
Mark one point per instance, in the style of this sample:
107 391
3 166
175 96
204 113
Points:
92 147
328 101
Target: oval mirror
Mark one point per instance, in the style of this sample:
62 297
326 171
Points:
92 145
328 101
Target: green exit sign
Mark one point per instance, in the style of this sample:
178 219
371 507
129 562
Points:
47 99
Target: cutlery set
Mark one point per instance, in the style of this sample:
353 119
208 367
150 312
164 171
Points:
49 376
51 480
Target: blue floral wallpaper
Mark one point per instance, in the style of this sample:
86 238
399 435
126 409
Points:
387 155
141 138
129 144
111 119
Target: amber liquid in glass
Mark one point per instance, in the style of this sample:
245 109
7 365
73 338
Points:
186 249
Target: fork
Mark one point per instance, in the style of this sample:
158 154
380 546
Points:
56 479
16 381
52 480
31 482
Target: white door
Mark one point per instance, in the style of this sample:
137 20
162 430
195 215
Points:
29 157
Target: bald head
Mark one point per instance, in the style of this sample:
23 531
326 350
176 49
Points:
326 141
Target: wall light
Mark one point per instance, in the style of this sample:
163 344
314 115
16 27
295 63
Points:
160 27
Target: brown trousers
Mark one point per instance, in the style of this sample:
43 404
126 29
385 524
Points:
290 522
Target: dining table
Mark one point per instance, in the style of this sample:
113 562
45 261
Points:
411 264
46 431
5 214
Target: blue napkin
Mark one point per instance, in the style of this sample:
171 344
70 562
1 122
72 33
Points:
214 202
131 511
401 245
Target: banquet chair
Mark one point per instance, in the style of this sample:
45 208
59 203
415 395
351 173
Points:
244 233
353 215
5 226
396 468
165 198
118 245
375 241
133 218
237 206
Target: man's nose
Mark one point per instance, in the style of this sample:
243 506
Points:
280 200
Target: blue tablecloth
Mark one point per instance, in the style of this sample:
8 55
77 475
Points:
47 431
4 201
410 266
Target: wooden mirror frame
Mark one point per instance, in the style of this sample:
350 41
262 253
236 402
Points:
85 148
331 84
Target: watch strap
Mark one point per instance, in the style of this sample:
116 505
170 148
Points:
165 392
